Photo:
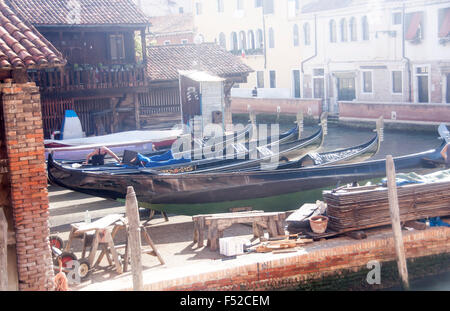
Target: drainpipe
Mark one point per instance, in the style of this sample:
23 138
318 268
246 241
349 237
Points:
408 61
315 44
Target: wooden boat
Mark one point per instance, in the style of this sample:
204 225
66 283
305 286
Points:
185 188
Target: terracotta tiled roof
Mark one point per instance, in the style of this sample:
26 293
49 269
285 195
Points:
22 46
172 24
164 62
91 12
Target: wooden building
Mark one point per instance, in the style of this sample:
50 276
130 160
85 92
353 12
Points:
25 257
104 44
162 101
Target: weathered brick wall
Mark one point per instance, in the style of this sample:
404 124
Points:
310 107
28 184
318 265
404 112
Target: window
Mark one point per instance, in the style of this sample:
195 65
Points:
444 23
222 40
233 42
396 18
365 28
260 79
296 83
258 3
167 42
259 39
306 34
242 41
414 26
271 38
184 41
239 5
397 84
220 7
344 36
295 35
251 39
117 47
353 35
367 81
273 79
268 7
332 31
181 10
198 8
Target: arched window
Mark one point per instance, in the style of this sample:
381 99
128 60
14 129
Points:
242 41
352 24
233 42
295 35
251 39
306 34
222 40
365 28
332 31
271 38
344 33
259 39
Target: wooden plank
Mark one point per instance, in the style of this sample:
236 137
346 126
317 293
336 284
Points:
396 226
134 239
3 251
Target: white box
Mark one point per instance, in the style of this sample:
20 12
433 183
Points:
232 246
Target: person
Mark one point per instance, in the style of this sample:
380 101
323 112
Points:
97 156
255 92
445 153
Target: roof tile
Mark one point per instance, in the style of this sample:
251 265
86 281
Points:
91 12
165 61
22 46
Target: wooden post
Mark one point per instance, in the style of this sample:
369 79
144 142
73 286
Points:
134 239
3 251
395 218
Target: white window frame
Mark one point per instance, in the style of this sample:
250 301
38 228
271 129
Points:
362 82
392 81
416 82
317 77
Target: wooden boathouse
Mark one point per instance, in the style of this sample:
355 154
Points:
104 44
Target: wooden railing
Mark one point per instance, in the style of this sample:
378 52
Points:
83 78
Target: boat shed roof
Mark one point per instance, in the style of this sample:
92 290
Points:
79 12
165 62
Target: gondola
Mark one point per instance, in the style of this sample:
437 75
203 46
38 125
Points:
184 188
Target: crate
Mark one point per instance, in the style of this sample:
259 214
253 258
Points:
232 246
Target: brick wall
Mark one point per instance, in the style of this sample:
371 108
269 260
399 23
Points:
28 184
310 107
319 265
432 113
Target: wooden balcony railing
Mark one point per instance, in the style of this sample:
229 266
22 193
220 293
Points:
72 78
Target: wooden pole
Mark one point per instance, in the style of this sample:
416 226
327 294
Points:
395 218
134 239
3 251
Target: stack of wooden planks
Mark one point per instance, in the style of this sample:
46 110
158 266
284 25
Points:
365 207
